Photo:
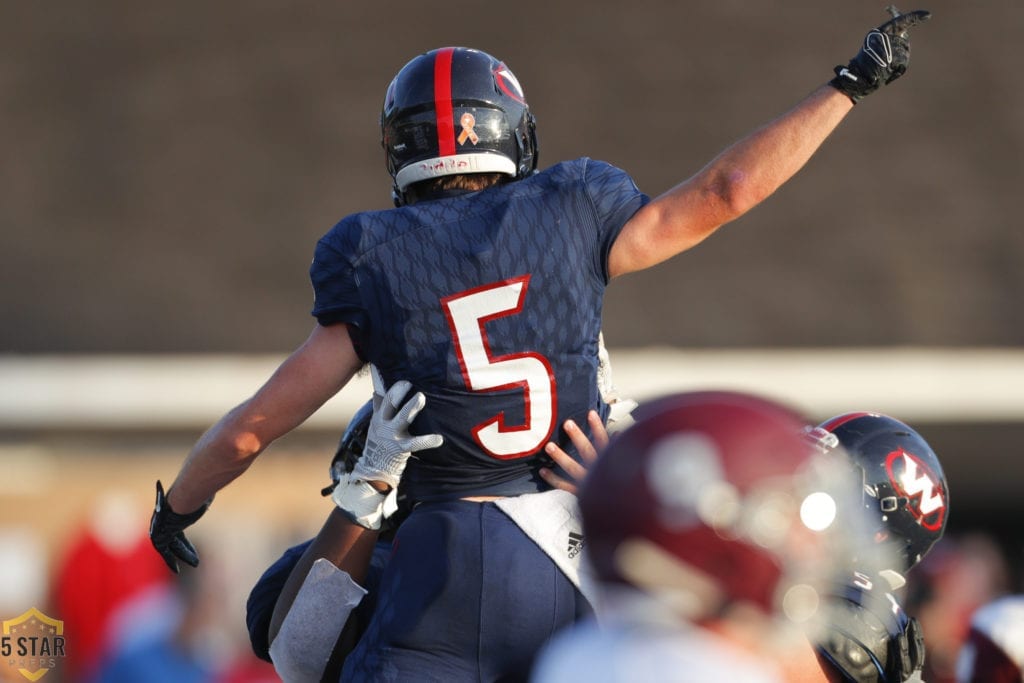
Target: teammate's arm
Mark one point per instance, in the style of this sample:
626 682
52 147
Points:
326 583
316 371
342 542
350 532
750 170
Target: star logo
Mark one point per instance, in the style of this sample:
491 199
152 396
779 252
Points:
32 643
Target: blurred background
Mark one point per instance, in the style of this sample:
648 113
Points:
167 169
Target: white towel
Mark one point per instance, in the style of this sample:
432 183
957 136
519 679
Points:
552 520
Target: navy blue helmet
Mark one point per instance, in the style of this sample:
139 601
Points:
455 110
905 489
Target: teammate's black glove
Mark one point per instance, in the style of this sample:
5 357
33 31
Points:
882 59
166 530
866 637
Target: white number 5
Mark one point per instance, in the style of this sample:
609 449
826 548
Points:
468 313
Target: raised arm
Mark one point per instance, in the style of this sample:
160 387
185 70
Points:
750 170
734 182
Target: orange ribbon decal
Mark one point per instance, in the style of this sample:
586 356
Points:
468 121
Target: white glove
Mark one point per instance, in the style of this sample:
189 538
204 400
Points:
363 504
604 372
388 441
619 416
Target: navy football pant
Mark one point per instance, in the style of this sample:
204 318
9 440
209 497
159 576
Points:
466 596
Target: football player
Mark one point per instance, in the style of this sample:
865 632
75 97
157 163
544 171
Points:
903 491
483 288
867 636
314 625
894 510
710 527
343 580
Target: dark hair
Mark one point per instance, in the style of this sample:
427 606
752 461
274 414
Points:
467 182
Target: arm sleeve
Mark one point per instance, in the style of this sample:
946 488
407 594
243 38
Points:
615 198
336 297
304 644
336 293
260 606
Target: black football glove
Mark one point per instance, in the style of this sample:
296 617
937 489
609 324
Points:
866 637
882 59
166 531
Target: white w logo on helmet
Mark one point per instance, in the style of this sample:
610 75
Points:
915 480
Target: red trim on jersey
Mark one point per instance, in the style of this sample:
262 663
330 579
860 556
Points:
443 102
481 322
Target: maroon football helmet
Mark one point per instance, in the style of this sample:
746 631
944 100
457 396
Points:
711 498
904 487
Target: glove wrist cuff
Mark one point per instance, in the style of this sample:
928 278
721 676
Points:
184 520
176 519
847 83
361 503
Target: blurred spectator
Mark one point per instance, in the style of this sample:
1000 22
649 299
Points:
946 588
23 569
169 655
994 651
179 630
108 564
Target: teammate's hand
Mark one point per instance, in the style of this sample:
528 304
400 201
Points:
361 502
882 59
166 531
388 441
586 448
866 635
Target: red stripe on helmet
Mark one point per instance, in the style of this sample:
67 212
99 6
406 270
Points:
443 102
834 423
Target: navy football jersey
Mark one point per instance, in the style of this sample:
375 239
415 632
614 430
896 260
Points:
490 304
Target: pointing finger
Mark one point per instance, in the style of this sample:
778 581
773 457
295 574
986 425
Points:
900 25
